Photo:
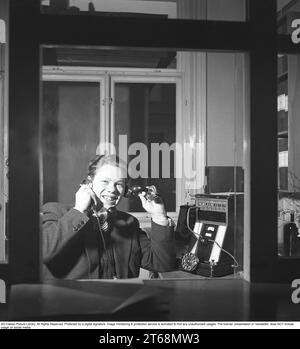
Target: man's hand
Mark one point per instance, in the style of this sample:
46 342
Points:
84 198
156 208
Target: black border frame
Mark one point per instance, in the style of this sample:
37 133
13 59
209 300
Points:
257 36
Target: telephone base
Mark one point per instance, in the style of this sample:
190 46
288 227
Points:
214 270
211 270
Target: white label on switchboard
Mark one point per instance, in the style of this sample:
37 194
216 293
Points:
219 239
197 231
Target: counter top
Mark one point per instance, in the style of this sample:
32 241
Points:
169 300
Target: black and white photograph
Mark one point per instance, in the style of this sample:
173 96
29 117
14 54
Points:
150 166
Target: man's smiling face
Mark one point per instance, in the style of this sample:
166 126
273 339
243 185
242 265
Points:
109 184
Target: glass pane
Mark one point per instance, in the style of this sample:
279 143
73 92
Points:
132 8
71 119
287 11
288 155
146 115
229 10
201 111
3 131
101 57
210 222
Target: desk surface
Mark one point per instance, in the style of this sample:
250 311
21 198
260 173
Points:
180 274
228 300
196 300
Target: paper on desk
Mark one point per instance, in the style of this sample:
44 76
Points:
142 294
39 301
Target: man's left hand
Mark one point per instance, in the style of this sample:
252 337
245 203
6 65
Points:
156 208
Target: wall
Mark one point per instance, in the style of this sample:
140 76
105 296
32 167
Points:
224 109
226 93
214 100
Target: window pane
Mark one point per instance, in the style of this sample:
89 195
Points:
146 114
133 8
228 10
288 155
225 10
202 110
3 130
70 136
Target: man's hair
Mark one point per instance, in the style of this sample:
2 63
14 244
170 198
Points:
101 160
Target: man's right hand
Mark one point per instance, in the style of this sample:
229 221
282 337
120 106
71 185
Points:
84 198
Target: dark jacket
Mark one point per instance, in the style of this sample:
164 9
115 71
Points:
71 245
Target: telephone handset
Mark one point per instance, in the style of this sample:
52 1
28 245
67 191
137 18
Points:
151 193
94 207
99 212
98 207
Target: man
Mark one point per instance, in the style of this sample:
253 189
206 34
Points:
94 240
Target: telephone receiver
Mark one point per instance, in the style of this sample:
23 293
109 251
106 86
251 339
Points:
151 192
94 207
97 207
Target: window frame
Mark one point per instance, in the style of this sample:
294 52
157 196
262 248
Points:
155 78
4 65
257 36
